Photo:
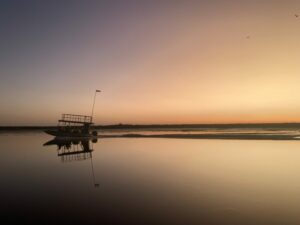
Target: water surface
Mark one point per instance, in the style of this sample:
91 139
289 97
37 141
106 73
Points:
149 181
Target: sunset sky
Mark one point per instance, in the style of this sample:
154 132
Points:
210 61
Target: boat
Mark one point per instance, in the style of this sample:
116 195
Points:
74 126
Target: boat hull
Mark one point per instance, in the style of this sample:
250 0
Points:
66 134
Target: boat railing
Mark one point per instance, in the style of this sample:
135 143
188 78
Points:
72 118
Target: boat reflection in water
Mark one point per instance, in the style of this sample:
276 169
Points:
74 149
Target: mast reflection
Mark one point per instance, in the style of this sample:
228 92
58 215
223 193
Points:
69 150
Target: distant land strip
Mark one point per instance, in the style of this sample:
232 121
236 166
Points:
209 136
183 127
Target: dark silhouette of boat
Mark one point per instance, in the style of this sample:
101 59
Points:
71 125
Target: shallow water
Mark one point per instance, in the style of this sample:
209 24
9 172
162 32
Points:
149 181
238 131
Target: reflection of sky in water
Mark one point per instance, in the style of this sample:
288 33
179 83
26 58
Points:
153 180
201 131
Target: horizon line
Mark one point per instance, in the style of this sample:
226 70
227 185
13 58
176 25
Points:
160 124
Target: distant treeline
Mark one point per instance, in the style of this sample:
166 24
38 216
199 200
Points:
172 126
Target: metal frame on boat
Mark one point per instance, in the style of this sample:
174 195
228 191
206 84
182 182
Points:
72 125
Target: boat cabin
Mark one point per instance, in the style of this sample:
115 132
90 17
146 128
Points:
75 124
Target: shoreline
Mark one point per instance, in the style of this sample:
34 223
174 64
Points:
209 136
183 127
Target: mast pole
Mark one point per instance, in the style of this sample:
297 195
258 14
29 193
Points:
94 103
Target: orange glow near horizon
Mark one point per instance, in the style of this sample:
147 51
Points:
172 63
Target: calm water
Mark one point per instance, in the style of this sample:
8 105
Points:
149 181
